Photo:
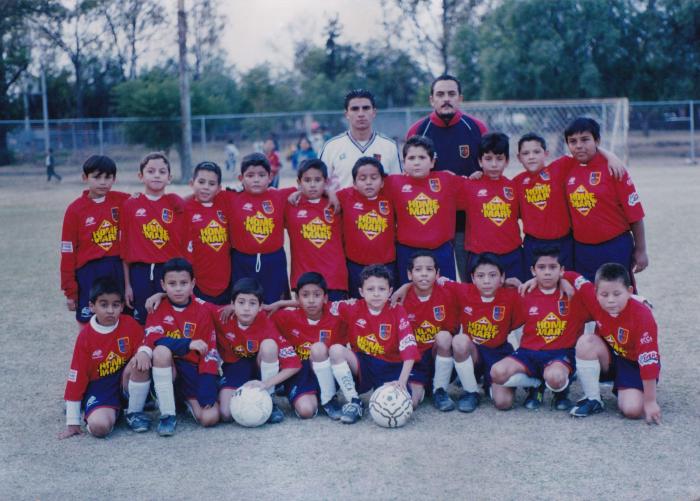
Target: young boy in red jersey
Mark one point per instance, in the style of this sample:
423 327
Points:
383 347
426 204
256 229
103 367
606 213
311 329
368 222
181 342
315 231
254 353
624 348
90 236
552 324
152 232
492 209
207 236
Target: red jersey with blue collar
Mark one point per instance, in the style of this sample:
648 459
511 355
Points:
302 333
437 313
368 227
316 242
601 207
208 245
236 342
387 336
90 232
97 355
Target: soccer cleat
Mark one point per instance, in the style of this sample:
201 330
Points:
560 401
442 401
352 411
586 407
138 421
332 409
166 426
276 416
468 402
534 398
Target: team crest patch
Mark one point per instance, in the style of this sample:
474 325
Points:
167 216
594 178
221 216
328 215
464 150
439 312
251 345
378 156
188 329
383 207
544 175
267 207
123 343
498 313
508 193
324 335
563 307
622 335
434 185
384 331
115 214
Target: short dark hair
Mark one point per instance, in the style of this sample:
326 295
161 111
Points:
582 124
442 77
314 278
247 286
487 258
101 165
255 159
420 142
105 285
531 136
312 163
422 253
362 161
209 167
357 94
177 264
155 155
375 270
546 251
496 143
613 272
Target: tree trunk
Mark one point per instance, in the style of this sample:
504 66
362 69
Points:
185 121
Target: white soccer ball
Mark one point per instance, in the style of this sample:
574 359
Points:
390 407
251 407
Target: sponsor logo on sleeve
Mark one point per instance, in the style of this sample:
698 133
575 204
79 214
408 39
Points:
287 352
72 375
406 342
648 358
66 246
645 339
633 199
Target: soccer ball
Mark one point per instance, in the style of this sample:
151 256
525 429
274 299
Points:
390 407
251 407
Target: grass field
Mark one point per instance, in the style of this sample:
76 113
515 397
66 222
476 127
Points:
485 455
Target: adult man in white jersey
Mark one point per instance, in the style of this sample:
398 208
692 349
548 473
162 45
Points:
341 152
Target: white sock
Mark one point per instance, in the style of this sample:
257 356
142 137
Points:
163 382
589 374
521 380
343 375
138 393
324 375
465 371
268 370
558 390
443 371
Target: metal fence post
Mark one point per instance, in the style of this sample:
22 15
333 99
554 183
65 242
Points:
692 131
203 132
100 137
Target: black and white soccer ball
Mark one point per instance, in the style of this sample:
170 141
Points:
251 407
390 407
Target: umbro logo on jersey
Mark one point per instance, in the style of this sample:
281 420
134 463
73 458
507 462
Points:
248 206
468 310
141 212
526 180
358 205
90 221
196 218
361 322
482 193
406 188
169 320
572 180
96 354
302 213
533 310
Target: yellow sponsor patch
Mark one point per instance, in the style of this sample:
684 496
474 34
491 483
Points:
425 332
214 235
259 226
551 327
316 231
154 232
111 365
538 195
482 330
105 235
582 200
496 210
423 208
371 224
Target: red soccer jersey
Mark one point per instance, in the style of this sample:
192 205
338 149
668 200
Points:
302 333
437 313
316 242
192 322
90 232
236 342
256 221
601 207
368 227
97 355
208 245
152 231
551 321
632 334
492 216
487 323
387 336
542 201
426 208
